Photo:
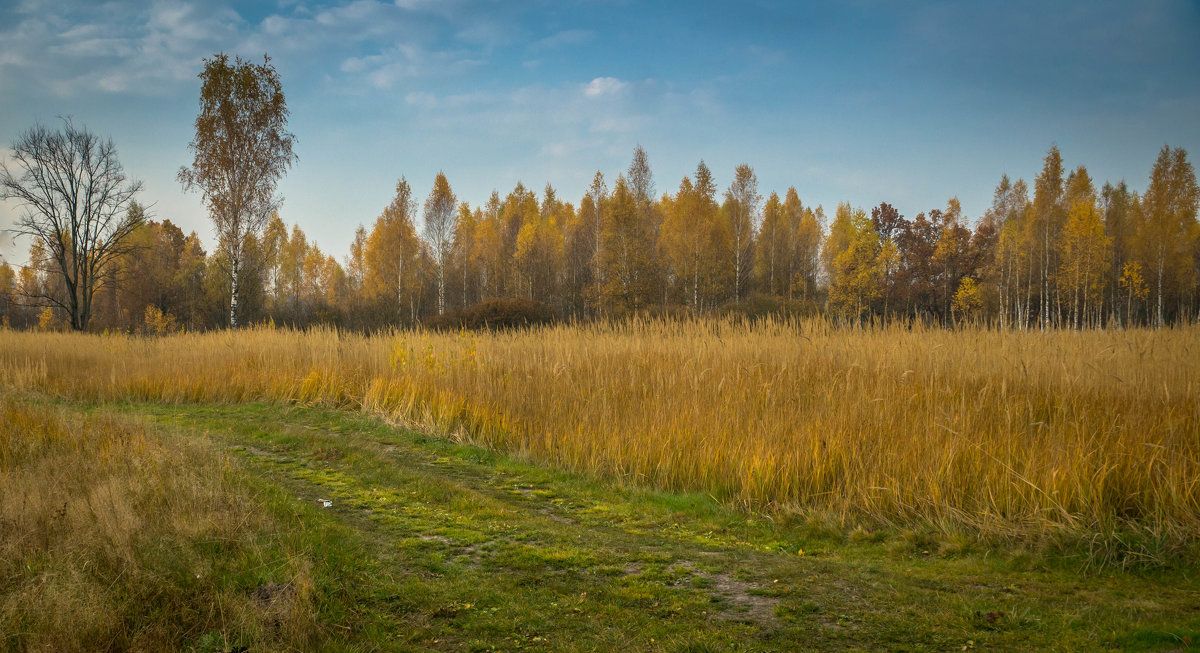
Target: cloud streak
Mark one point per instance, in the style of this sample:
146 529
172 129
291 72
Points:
564 39
604 87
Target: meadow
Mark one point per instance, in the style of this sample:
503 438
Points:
1081 442
658 486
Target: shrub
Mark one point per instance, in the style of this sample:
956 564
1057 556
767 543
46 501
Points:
159 323
494 314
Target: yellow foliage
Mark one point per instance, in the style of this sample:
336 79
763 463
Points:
159 323
49 320
968 300
857 269
1133 281
1086 252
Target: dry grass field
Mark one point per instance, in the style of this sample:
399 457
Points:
1085 437
113 537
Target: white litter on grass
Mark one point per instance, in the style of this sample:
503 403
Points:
325 503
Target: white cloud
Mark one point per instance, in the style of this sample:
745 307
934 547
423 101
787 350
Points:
70 48
113 48
567 122
559 149
387 75
416 5
362 13
353 65
401 62
180 26
604 86
82 32
429 101
767 56
275 25
563 39
421 100
452 10
487 34
113 83
96 48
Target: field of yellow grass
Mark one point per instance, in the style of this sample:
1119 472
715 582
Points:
113 537
996 433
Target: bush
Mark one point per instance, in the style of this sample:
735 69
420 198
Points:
757 306
494 314
159 323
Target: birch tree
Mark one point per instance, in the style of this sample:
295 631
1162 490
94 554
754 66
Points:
1169 226
440 220
742 198
242 149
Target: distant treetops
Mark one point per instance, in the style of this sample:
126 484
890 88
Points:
1069 256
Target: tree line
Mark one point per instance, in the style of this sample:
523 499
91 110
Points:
1066 255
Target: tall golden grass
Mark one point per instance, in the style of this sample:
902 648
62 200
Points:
112 538
1003 433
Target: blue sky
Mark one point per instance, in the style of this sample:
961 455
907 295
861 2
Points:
861 101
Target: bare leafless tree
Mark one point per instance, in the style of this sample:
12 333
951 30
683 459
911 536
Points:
78 203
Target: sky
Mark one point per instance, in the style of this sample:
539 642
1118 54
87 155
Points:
863 101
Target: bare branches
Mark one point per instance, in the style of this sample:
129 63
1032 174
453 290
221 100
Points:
77 202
